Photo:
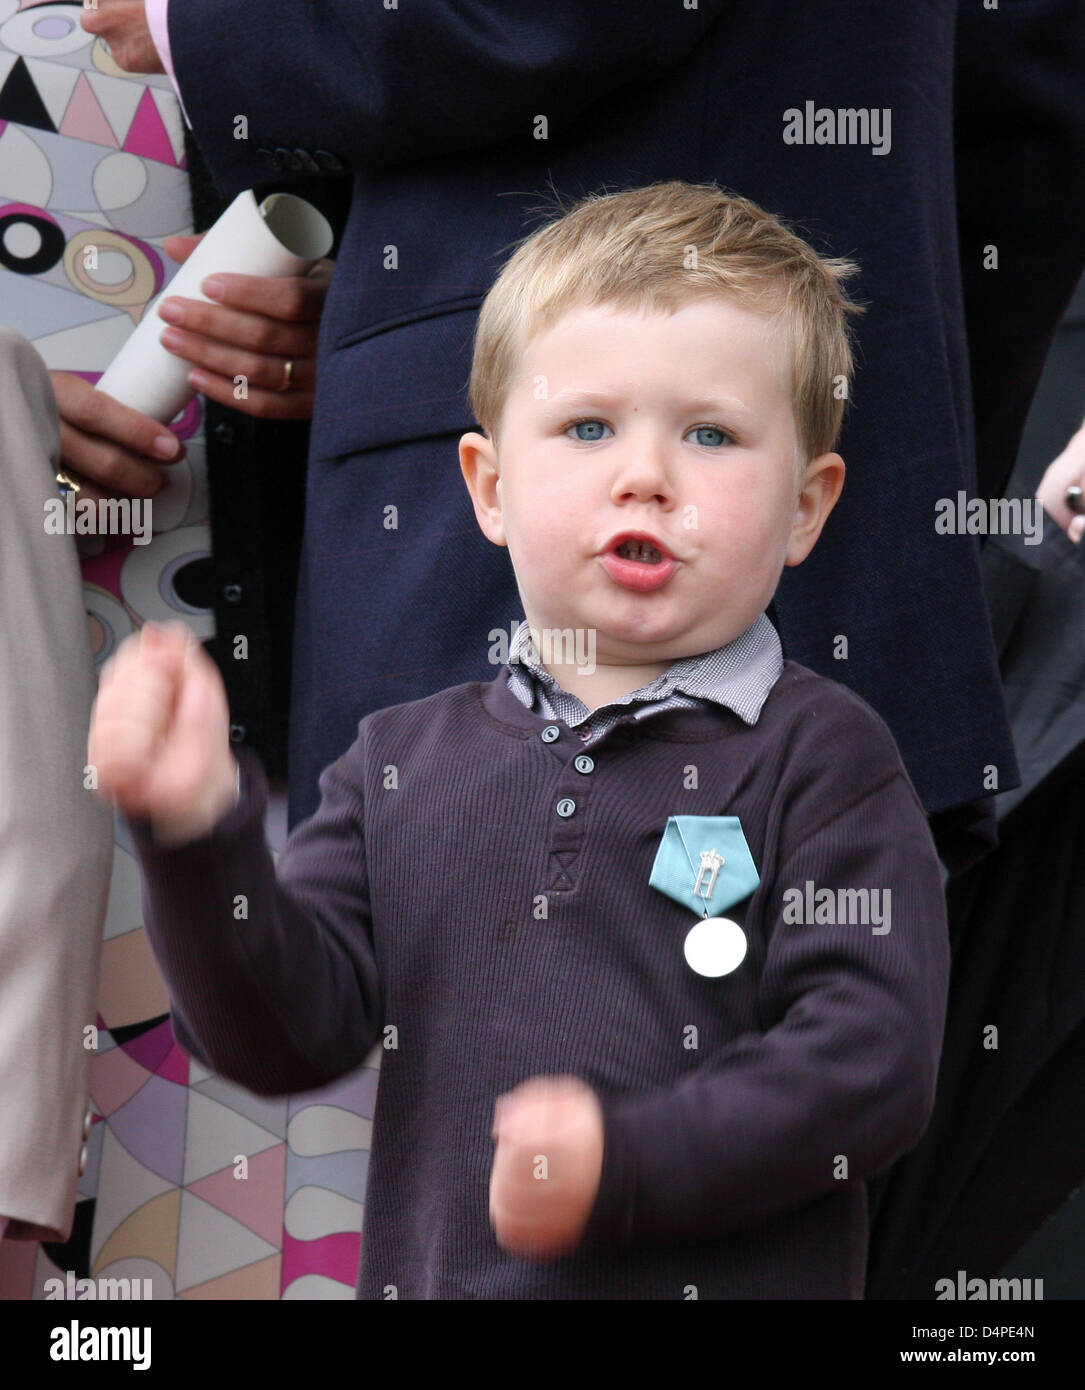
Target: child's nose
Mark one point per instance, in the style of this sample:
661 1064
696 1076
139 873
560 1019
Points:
645 473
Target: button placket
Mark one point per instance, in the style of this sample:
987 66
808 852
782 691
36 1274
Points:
570 801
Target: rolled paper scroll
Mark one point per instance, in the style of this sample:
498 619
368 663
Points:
282 235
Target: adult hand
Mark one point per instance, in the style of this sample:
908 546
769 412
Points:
106 447
123 25
547 1166
260 324
1066 471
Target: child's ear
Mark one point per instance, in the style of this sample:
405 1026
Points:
820 491
478 464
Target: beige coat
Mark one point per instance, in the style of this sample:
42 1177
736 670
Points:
56 838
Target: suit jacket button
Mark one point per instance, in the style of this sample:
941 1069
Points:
82 1160
308 162
331 162
287 158
88 1120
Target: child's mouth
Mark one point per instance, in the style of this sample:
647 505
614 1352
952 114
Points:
638 563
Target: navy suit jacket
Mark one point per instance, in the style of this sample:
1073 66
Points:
432 111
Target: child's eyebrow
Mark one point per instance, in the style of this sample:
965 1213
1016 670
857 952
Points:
726 404
603 400
566 398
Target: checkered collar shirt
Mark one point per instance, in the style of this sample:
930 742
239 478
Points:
738 675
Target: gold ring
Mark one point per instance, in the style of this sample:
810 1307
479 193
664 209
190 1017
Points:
67 484
288 374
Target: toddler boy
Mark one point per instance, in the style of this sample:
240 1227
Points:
650 926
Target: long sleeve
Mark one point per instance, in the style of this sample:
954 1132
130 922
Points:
379 86
846 1065
271 969
157 15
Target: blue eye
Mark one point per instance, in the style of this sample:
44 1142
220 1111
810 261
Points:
590 431
721 435
590 425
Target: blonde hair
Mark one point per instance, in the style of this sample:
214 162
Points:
658 248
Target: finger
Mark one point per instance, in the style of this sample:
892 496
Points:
164 648
132 711
179 247
96 413
132 664
1077 529
291 298
191 759
201 719
258 368
265 405
246 329
104 469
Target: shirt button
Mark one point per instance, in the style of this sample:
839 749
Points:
550 733
82 1160
566 806
584 763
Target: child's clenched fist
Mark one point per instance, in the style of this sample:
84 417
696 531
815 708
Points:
159 734
547 1166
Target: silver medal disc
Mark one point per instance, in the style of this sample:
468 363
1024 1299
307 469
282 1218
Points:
715 946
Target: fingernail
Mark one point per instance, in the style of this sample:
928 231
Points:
166 446
171 311
198 380
213 287
1077 527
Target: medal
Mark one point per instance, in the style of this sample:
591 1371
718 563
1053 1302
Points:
714 946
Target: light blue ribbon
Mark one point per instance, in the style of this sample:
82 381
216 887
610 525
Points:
706 886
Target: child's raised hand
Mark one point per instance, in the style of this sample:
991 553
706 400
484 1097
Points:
159 734
546 1170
